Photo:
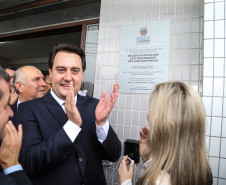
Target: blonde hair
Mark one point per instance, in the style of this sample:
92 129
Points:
177 135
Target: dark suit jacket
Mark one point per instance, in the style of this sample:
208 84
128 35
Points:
48 155
15 178
14 109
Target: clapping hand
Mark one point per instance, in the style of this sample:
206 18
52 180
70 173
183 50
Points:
11 145
70 107
144 144
104 108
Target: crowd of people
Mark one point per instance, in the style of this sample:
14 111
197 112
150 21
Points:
51 135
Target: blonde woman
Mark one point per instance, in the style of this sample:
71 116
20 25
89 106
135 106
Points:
173 150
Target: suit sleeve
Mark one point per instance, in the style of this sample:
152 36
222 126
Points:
15 178
20 178
39 154
112 146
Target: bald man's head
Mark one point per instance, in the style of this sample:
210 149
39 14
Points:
29 83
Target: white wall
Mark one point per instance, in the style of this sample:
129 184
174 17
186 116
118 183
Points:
186 38
214 86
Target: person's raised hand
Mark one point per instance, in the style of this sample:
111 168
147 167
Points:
144 148
104 107
124 172
11 145
70 107
13 97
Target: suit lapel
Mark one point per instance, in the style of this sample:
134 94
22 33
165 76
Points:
81 105
14 109
55 109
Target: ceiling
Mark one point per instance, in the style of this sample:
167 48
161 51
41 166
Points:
6 4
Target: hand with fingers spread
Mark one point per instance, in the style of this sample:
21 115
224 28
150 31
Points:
124 173
70 107
11 144
104 108
144 145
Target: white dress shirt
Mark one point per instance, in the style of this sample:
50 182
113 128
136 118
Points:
72 130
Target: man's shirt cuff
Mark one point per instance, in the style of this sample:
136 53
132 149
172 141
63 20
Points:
12 169
127 182
72 130
102 131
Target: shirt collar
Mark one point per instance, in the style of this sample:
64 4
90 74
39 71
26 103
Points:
59 100
18 102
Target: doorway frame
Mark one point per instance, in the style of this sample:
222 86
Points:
36 32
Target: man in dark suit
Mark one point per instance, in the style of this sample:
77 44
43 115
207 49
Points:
29 84
66 136
13 95
11 172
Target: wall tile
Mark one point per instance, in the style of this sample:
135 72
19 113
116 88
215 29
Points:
219 48
208 125
207 101
214 162
129 102
224 127
112 59
216 126
120 131
222 171
214 146
135 133
207 143
195 56
135 118
196 9
207 86
221 181
194 38
121 116
122 102
128 118
143 119
219 29
219 11
217 106
223 149
209 9
114 116
208 67
136 104
208 27
127 132
144 102
218 88
195 72
208 49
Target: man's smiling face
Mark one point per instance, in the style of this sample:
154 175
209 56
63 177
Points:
67 67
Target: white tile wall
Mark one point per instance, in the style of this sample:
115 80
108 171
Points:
214 72
185 63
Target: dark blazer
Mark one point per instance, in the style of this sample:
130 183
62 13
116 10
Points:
15 178
14 109
48 155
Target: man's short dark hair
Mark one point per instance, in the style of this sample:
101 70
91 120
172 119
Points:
3 76
10 67
70 48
